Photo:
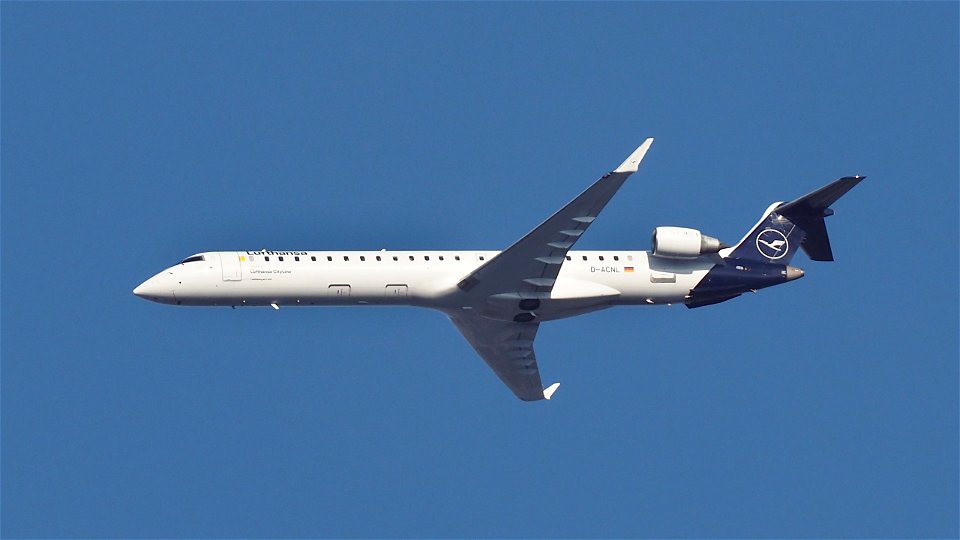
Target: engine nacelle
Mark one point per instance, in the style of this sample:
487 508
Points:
681 243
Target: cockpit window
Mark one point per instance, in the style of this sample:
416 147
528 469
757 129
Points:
195 258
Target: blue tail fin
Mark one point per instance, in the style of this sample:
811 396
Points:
775 239
787 227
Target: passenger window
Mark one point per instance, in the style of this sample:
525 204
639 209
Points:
296 258
251 258
346 258
411 257
281 259
601 257
426 257
314 259
481 257
457 257
616 257
441 257
584 257
362 258
629 257
395 258
568 257
378 257
266 259
329 258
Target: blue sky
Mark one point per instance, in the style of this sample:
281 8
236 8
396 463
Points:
135 134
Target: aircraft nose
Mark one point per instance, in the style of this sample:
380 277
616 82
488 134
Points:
146 289
153 289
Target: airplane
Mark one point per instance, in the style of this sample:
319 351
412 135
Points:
497 299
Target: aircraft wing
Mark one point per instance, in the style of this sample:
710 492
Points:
531 265
507 347
530 268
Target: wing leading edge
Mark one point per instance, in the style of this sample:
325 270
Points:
531 264
530 268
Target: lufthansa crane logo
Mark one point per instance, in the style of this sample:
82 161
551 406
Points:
772 244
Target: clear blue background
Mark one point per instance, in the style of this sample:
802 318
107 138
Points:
136 134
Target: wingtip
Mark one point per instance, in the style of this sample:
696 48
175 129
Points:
548 391
632 163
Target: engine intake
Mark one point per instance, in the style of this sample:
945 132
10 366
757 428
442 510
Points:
681 243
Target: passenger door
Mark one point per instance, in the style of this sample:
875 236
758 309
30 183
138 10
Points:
230 265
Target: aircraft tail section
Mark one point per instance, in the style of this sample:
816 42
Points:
787 227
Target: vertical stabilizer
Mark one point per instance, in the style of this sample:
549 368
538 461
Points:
774 239
787 227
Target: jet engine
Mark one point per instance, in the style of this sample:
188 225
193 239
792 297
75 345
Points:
681 243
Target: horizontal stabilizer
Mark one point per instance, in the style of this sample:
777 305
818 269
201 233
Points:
816 243
814 203
808 213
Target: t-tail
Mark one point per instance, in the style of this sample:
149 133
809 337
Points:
762 257
798 224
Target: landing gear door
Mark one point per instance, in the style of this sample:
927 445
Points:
230 263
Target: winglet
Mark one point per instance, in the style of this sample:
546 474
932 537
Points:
548 391
632 163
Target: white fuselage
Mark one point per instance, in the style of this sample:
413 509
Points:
588 280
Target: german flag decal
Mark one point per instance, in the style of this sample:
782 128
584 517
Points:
628 269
